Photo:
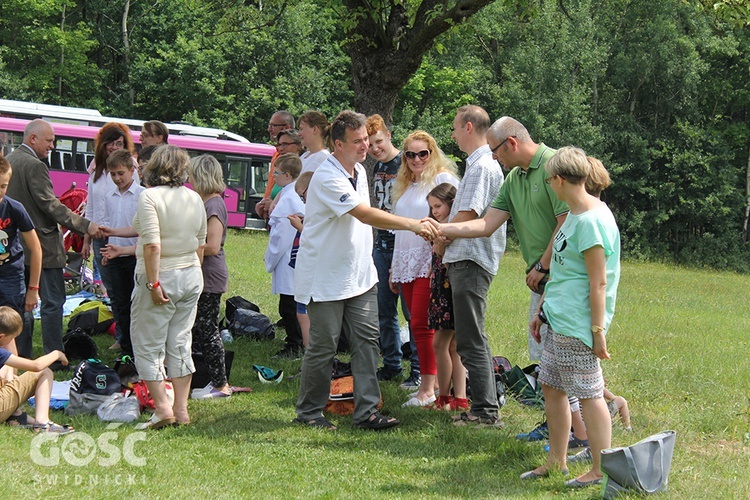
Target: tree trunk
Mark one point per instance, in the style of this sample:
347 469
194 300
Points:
126 50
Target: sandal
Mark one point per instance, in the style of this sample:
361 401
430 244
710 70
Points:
319 422
21 421
465 419
378 422
53 428
154 424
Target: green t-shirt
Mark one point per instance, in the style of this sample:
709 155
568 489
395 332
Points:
567 304
532 205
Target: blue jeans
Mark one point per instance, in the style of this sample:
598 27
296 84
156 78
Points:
52 295
390 338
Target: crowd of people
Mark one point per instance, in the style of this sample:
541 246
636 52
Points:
437 246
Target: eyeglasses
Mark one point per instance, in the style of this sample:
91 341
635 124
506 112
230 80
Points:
549 179
278 172
277 125
285 144
117 144
422 154
494 150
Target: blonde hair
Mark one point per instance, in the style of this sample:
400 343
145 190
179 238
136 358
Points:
10 321
570 163
167 167
436 163
598 179
206 176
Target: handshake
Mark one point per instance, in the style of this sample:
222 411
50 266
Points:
428 228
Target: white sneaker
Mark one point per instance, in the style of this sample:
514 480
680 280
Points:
415 401
201 393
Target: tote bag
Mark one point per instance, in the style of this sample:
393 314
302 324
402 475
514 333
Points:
642 467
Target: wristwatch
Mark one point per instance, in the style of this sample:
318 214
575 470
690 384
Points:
539 268
597 329
153 285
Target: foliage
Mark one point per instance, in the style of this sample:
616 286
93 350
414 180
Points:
658 90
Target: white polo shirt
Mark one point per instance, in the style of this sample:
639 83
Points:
334 261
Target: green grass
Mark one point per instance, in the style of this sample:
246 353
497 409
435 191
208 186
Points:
679 348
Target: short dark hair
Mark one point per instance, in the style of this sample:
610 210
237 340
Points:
155 127
347 119
146 153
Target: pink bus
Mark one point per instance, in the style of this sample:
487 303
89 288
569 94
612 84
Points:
245 164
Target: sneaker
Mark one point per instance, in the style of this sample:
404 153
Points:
465 419
385 373
573 443
581 457
412 382
202 392
415 401
539 433
290 353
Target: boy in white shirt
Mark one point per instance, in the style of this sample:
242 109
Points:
278 254
120 206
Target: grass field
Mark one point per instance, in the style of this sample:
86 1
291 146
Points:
680 355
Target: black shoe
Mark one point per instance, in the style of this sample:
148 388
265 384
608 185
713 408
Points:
388 373
290 352
412 382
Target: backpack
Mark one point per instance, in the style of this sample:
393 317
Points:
522 384
91 315
251 324
92 384
232 305
79 345
201 376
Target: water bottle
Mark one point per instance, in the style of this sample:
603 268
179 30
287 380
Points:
226 337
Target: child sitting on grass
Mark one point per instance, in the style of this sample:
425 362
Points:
36 380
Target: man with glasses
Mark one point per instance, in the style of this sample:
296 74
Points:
473 263
280 120
537 215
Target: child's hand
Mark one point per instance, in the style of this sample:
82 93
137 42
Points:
62 358
296 220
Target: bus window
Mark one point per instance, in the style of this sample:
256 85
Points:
237 178
84 155
260 174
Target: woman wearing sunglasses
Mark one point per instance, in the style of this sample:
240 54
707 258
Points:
578 305
423 166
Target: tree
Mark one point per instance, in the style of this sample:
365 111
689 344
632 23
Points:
387 40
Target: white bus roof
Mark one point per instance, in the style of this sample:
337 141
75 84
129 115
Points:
92 117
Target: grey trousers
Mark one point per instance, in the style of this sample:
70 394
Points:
359 316
471 284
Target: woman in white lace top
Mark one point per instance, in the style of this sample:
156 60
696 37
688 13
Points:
423 167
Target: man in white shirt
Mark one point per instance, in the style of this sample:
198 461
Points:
336 278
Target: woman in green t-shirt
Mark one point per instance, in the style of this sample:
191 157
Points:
578 305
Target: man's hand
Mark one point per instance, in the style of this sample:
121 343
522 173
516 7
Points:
533 279
94 230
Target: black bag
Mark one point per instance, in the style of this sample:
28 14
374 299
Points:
251 324
92 384
201 377
79 345
232 305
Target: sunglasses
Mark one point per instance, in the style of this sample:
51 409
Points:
422 154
